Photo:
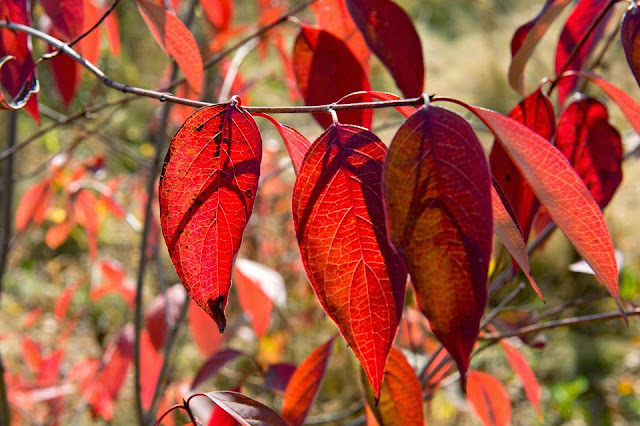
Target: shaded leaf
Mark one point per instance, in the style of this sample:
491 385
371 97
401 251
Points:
536 112
592 146
574 30
67 16
246 410
278 376
176 39
437 193
296 144
327 70
66 73
521 367
213 364
340 224
33 204
526 38
168 304
390 34
630 37
489 399
401 394
209 181
30 87
305 384
383 96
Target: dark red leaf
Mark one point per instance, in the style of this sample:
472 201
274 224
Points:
401 395
305 384
176 39
296 144
66 73
207 189
630 37
489 399
166 304
204 331
437 192
521 367
535 112
246 410
34 204
213 364
278 376
526 39
383 96
574 30
338 213
592 146
67 16
327 70
390 34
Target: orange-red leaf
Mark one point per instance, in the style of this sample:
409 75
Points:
63 301
561 192
521 367
245 410
151 360
489 399
207 189
58 233
176 39
437 193
296 144
327 70
390 34
86 213
630 37
339 217
33 204
218 12
204 331
305 383
400 401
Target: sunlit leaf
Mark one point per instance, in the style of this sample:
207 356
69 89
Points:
34 204
339 217
437 193
297 145
66 73
67 16
209 182
245 410
218 12
489 399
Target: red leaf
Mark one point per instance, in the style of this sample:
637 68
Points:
66 73
62 304
86 213
278 376
630 38
219 417
209 182
113 34
511 236
176 39
401 395
592 146
15 74
31 317
67 16
213 364
437 193
151 361
333 16
526 39
535 112
246 410
49 371
305 384
574 30
561 191
383 96
31 354
89 46
489 399
58 234
296 144
339 218
255 302
33 204
390 34
326 70
218 12
166 304
521 367
204 331
113 280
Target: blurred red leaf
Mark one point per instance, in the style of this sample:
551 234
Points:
326 70
304 385
151 360
86 214
489 399
113 34
89 46
49 371
31 354
204 331
113 280
592 146
278 376
31 317
526 38
66 73
34 204
521 367
176 39
437 193
561 191
67 16
338 213
390 34
296 144
245 410
535 112
62 304
213 364
209 181
218 12
58 233
574 30
630 37
400 401
166 304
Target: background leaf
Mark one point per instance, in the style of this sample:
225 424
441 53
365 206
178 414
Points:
489 399
630 38
521 367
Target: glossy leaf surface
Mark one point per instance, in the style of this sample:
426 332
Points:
536 112
630 37
437 193
560 190
246 410
390 34
489 399
521 367
327 70
592 146
401 394
339 217
304 385
176 39
207 189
